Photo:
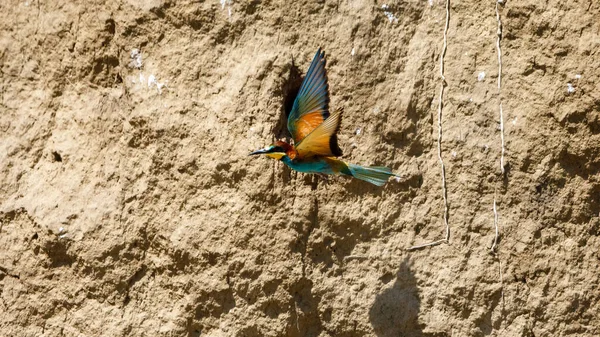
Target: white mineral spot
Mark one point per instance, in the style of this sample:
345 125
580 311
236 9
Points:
358 131
514 121
152 81
390 15
398 179
352 52
570 88
61 229
136 58
578 76
430 3
228 3
481 76
453 154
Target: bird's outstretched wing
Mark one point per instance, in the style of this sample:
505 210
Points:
322 141
311 106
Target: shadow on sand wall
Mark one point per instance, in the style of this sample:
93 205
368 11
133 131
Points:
395 311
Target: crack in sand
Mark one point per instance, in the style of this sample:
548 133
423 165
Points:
439 140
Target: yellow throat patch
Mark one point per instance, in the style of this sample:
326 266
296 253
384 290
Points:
276 155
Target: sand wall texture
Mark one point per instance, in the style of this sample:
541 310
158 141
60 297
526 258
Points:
129 206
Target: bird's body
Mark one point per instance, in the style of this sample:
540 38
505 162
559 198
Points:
314 130
323 165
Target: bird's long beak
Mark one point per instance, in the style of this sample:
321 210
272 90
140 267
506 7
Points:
261 151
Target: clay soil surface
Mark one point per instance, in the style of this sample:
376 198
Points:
129 205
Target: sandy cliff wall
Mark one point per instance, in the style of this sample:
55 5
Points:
129 207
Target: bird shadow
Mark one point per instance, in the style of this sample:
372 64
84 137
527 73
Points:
395 311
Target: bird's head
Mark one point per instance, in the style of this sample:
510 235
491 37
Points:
275 151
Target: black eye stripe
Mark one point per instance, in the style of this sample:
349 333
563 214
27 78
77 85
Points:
276 149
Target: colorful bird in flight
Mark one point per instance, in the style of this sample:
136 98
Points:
314 129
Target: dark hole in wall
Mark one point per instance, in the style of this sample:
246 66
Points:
289 89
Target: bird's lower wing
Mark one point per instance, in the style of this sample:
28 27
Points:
322 141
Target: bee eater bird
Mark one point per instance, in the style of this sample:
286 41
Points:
314 130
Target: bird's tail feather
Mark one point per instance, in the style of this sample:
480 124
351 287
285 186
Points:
377 175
